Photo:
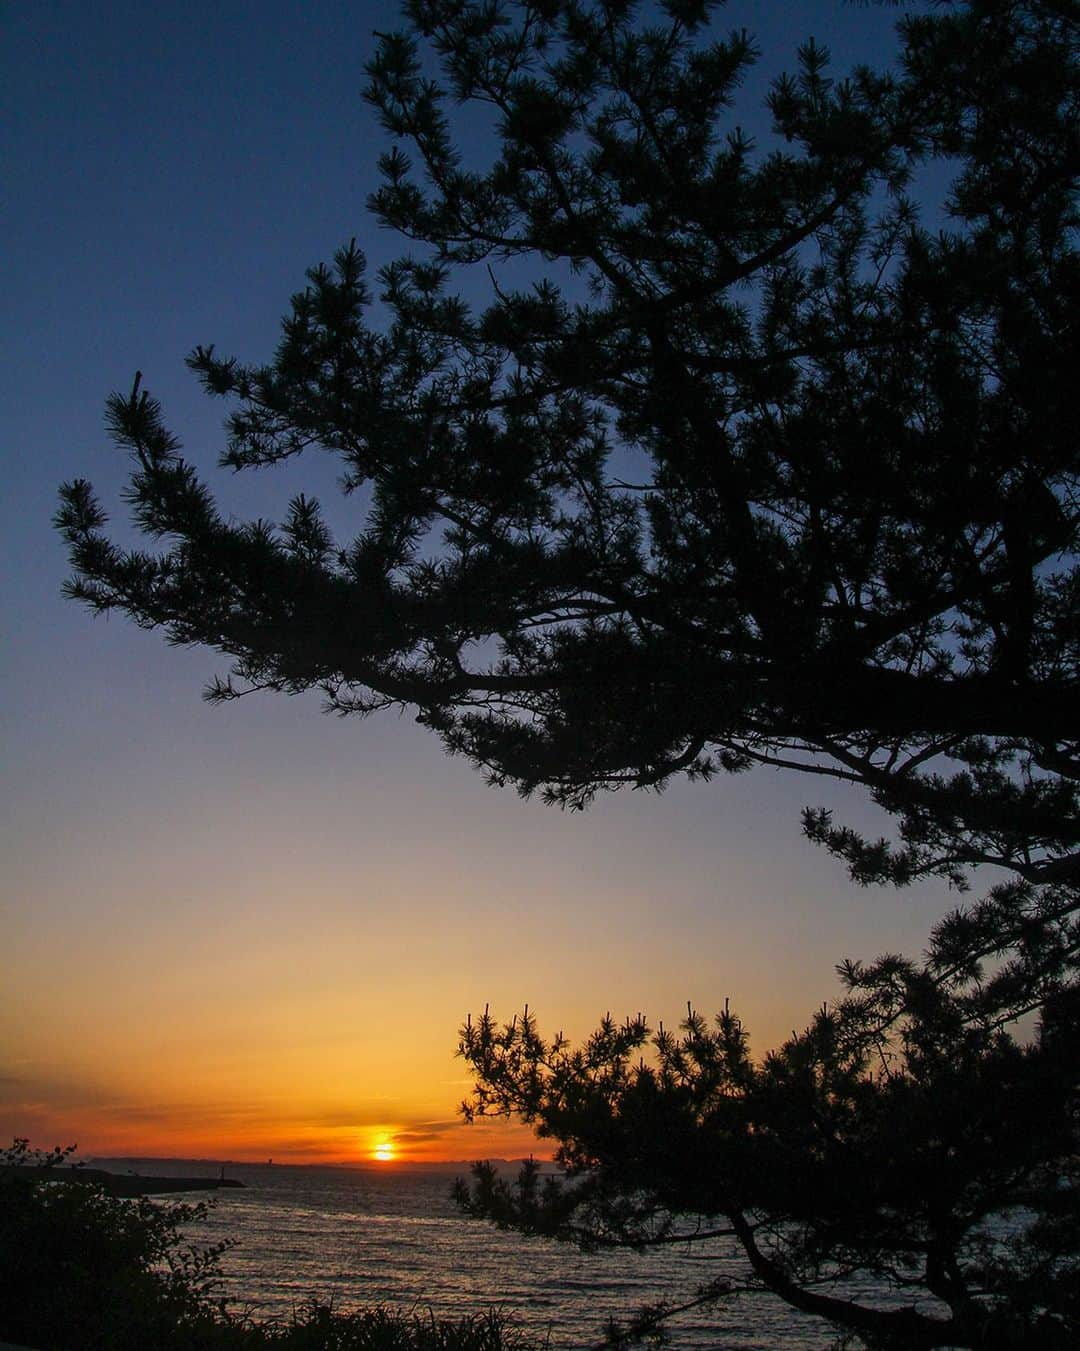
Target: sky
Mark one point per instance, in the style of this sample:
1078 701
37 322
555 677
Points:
252 930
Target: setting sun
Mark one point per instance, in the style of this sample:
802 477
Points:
384 1152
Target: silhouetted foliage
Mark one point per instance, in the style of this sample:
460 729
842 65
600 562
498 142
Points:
904 1149
320 1327
81 1269
741 462
780 476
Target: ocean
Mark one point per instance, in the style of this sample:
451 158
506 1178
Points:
363 1236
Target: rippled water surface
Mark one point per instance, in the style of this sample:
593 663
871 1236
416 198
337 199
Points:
366 1236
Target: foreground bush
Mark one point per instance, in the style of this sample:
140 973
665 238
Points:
81 1270
318 1327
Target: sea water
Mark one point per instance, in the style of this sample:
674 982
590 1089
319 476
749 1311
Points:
360 1236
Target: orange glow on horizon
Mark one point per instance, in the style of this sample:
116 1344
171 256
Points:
229 1020
254 1132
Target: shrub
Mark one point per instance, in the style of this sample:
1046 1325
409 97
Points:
81 1270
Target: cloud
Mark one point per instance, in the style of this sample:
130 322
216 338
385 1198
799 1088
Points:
425 1130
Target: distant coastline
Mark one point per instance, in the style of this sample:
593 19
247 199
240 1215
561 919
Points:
164 1166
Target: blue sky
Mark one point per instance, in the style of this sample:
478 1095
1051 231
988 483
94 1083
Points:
177 874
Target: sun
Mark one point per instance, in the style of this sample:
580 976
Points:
384 1152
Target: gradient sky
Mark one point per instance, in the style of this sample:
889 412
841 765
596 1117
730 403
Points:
254 930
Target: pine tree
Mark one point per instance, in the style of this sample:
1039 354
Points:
847 541
905 1168
760 467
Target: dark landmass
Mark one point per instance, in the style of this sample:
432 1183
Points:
126 1184
455 1167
